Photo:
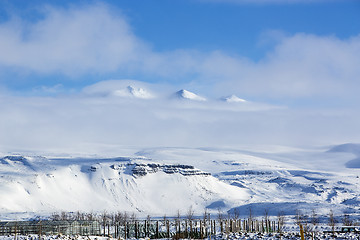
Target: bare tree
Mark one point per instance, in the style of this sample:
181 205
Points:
147 225
250 214
332 221
190 213
220 219
90 216
80 216
346 220
301 219
190 216
206 218
178 221
220 215
205 215
133 217
125 217
314 220
164 220
63 216
266 216
298 217
104 219
55 217
250 219
236 213
281 221
119 217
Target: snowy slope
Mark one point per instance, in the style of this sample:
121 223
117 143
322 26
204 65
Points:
160 181
279 179
349 148
34 184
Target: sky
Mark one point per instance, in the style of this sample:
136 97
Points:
296 62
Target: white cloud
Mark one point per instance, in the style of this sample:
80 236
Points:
300 66
70 41
79 41
96 40
69 123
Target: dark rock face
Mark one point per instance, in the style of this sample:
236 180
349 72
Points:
140 170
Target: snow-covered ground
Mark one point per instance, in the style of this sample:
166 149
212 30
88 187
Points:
163 181
232 236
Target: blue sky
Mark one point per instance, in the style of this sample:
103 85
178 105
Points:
236 28
296 62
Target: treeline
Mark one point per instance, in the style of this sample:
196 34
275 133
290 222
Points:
123 224
127 225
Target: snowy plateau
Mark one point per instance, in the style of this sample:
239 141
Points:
163 181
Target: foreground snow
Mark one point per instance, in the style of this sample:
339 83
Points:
232 236
292 236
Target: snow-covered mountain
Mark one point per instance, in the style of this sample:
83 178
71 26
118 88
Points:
37 184
139 90
352 149
164 180
131 91
185 94
124 89
232 99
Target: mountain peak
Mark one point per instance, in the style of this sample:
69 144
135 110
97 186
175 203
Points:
131 91
233 98
185 94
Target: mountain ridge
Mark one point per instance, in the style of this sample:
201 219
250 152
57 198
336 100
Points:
164 180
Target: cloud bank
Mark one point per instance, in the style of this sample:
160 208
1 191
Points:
96 40
91 122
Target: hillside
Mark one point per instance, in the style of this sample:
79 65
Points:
162 181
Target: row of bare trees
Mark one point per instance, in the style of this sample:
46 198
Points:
189 224
310 222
